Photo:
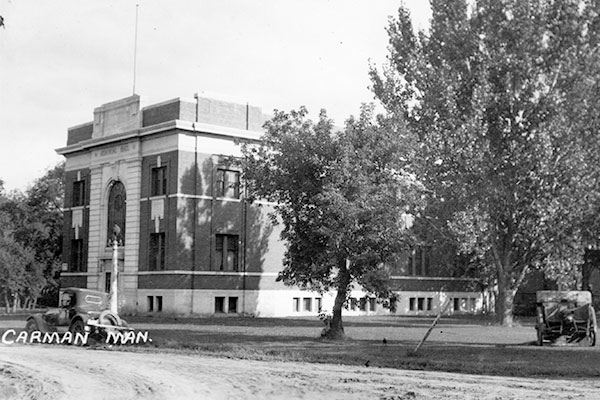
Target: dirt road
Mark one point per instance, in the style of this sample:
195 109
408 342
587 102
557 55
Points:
69 372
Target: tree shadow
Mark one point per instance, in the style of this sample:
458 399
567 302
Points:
201 216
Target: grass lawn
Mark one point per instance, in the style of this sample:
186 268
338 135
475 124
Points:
474 345
467 345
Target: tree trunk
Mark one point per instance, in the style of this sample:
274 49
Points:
591 261
504 302
335 330
6 303
506 289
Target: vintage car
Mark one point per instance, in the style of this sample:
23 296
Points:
79 310
565 314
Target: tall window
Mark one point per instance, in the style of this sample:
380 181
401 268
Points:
78 193
228 183
418 262
116 214
159 181
157 251
77 255
226 253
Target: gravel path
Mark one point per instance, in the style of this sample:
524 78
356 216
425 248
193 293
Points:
68 372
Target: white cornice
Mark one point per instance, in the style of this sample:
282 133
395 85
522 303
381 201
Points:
193 127
432 278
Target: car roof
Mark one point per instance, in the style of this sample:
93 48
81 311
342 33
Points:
82 290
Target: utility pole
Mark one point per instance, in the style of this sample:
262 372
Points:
114 289
135 46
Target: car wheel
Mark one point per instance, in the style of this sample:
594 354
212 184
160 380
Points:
31 325
77 327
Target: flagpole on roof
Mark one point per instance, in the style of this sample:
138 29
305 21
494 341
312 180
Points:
135 47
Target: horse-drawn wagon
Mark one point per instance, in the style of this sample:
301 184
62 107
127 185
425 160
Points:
565 315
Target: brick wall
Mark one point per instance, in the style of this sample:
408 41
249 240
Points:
80 133
170 160
240 116
210 111
68 230
70 178
73 281
163 281
168 111
168 204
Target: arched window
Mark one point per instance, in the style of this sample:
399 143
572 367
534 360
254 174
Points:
116 214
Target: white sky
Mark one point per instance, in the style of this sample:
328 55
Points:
60 59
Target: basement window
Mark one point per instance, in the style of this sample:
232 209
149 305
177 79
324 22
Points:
159 303
363 304
233 301
155 303
219 304
456 304
307 304
371 304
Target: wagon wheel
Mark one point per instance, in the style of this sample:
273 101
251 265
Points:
593 326
540 336
31 325
592 338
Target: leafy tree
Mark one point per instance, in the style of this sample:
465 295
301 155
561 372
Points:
44 229
14 258
30 243
500 96
341 197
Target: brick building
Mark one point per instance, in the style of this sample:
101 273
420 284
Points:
164 179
